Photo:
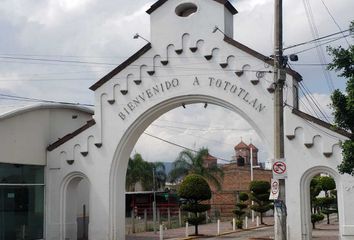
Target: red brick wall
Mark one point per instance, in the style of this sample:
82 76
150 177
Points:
236 179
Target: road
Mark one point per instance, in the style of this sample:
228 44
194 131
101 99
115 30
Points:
266 232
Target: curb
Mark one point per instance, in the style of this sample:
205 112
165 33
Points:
222 234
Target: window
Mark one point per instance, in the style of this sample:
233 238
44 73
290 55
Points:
21 201
186 9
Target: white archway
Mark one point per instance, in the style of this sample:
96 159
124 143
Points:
225 73
127 143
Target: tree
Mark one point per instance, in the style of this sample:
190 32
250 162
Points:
327 184
193 190
316 217
260 191
327 205
315 189
240 209
160 174
188 162
323 205
343 103
140 171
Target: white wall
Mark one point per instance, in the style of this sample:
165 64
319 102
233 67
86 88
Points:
25 134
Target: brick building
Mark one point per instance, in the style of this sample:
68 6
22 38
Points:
237 177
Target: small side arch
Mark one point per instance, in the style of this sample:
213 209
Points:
74 193
306 226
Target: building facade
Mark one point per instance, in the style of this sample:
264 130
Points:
90 163
24 136
237 178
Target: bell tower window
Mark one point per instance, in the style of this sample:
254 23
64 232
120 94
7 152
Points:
186 9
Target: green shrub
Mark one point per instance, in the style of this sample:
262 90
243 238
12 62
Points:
316 217
259 187
193 190
194 187
240 209
239 224
260 191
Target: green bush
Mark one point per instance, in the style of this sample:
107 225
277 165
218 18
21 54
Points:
316 217
196 220
194 187
240 209
243 196
239 224
193 191
260 187
260 191
195 207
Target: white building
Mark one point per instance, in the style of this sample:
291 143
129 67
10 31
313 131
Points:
88 167
24 137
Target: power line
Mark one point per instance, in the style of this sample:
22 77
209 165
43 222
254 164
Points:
51 63
313 126
334 20
199 136
302 85
325 43
315 34
216 72
180 146
199 129
183 67
56 60
316 39
309 102
27 99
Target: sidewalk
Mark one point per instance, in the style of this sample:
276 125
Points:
323 231
205 230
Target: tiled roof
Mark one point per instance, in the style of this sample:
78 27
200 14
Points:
241 145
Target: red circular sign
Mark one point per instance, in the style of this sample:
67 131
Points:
279 167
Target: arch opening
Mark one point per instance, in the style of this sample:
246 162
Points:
131 136
76 207
319 206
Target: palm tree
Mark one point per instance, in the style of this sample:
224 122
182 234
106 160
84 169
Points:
140 171
189 162
160 174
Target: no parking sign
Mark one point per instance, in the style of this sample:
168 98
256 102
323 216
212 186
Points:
279 169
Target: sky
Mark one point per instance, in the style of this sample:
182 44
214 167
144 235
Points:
56 49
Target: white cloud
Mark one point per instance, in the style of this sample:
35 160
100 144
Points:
314 103
102 31
216 128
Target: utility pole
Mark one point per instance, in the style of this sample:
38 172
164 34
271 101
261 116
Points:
279 79
251 162
154 202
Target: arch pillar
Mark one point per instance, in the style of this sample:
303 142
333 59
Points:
99 208
346 202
